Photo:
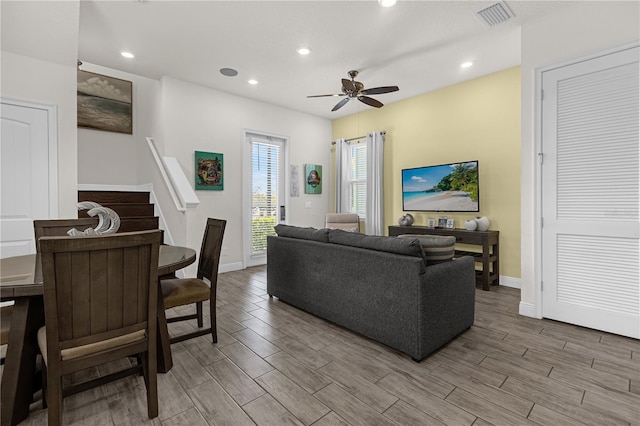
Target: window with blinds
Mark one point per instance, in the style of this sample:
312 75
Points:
265 161
358 178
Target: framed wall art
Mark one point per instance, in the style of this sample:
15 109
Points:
209 167
313 179
104 103
294 181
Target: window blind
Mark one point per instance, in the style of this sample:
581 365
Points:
265 160
358 178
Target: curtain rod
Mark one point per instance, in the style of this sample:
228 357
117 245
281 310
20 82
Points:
384 132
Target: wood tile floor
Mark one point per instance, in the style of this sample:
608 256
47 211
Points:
276 365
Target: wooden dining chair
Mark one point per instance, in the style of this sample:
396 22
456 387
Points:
187 291
100 300
41 228
59 227
5 327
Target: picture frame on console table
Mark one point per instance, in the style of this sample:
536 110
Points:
450 223
442 222
431 223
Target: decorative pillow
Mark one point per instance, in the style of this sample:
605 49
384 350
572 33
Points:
373 242
437 248
320 235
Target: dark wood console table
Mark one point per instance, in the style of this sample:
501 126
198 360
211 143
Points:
488 240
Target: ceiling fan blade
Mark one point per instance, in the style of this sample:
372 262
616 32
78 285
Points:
379 90
370 101
341 104
348 85
322 96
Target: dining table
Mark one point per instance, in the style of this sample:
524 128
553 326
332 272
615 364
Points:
21 281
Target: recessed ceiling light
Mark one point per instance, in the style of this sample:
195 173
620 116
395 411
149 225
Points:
229 72
127 55
253 82
466 64
387 3
304 51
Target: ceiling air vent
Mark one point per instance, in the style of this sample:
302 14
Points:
495 14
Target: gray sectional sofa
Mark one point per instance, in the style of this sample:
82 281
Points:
379 287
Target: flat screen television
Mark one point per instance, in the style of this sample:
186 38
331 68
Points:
443 188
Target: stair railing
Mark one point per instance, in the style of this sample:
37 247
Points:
175 180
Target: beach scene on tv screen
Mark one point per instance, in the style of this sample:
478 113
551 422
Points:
449 187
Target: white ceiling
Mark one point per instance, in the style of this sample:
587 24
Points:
416 45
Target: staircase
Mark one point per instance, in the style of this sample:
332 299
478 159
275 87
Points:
134 209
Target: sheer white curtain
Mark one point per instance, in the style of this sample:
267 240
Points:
342 177
374 223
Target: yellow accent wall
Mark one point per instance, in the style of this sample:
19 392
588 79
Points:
475 120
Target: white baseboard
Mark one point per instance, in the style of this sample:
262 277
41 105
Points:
527 310
230 267
510 282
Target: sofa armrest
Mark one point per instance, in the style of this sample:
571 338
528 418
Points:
447 303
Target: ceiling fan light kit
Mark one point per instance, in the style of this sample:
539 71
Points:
355 89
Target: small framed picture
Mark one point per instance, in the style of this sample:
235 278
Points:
431 222
313 179
442 222
450 223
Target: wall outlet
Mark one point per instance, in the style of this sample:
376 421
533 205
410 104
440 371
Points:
307 204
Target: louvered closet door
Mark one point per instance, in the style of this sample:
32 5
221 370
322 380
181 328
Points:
590 202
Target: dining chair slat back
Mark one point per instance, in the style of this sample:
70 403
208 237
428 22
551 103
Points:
187 291
59 227
100 298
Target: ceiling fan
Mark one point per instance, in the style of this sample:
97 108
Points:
354 89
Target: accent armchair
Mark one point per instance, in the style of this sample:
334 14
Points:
345 221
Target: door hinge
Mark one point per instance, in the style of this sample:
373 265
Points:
541 285
541 157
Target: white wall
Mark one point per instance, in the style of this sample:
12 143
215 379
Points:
582 29
23 78
109 158
199 119
39 51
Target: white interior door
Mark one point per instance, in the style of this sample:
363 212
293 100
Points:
28 173
590 193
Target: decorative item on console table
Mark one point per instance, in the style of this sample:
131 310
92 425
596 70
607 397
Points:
431 222
442 222
406 220
470 225
483 223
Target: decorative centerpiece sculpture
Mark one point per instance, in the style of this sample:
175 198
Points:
406 220
108 220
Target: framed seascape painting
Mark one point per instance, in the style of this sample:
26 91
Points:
209 171
104 103
313 179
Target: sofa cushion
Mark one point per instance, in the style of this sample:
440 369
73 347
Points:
437 248
320 235
379 243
